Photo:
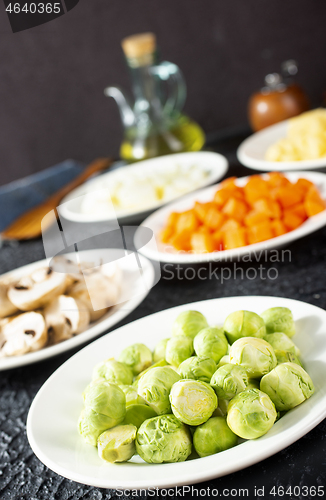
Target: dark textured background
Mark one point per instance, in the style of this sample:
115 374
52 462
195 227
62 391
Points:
52 77
24 477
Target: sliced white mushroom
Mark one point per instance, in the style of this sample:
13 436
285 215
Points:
23 333
113 272
7 308
97 292
65 317
37 289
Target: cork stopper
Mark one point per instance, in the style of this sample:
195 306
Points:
138 46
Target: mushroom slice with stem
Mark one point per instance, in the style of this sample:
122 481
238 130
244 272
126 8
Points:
7 308
23 333
97 292
37 289
65 317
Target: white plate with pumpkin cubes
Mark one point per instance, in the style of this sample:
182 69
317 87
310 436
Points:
236 218
52 427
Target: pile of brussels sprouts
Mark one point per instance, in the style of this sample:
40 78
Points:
200 390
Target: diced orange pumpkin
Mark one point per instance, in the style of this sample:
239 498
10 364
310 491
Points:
278 227
298 209
201 209
253 218
304 185
187 221
202 242
218 240
235 238
235 208
292 220
229 183
314 204
223 195
255 189
181 240
288 195
172 219
230 225
269 208
259 232
276 179
166 234
214 219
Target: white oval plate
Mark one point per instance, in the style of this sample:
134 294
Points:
137 284
70 206
251 151
166 253
52 419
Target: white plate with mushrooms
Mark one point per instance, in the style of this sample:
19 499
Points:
45 312
64 451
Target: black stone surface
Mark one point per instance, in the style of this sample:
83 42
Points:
301 465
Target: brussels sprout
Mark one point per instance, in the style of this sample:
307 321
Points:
92 424
287 385
107 399
280 341
279 319
132 396
222 408
178 349
137 414
117 444
163 439
155 385
113 371
255 355
286 357
213 436
229 380
197 368
162 362
188 324
159 351
251 414
223 361
211 342
192 401
137 356
243 324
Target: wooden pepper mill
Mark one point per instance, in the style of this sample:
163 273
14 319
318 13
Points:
278 100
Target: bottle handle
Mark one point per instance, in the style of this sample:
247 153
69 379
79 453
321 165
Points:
170 73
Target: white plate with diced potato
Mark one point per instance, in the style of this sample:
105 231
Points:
132 192
64 451
252 151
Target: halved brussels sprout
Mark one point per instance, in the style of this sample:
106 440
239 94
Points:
113 371
155 385
286 357
197 368
243 324
159 351
137 414
91 424
280 341
213 436
255 355
189 323
287 385
163 439
229 380
137 356
178 349
132 396
211 342
279 319
117 444
107 399
251 414
192 401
